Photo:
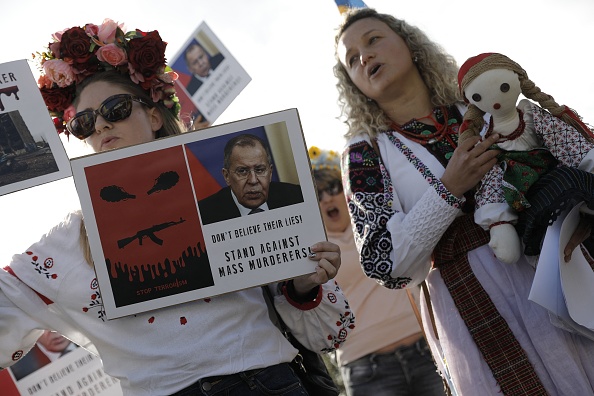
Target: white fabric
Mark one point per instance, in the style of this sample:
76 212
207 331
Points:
157 352
564 362
528 140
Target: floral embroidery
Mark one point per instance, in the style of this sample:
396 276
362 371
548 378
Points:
346 322
43 268
17 355
371 207
427 174
332 298
96 301
363 166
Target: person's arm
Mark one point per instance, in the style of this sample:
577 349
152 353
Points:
313 306
395 247
18 331
33 281
491 206
321 320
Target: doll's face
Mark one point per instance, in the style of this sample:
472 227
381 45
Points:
495 92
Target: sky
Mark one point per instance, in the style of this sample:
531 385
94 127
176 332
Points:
287 47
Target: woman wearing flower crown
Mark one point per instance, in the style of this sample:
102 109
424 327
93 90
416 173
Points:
409 184
113 90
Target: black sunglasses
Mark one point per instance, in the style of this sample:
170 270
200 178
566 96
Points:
113 109
333 188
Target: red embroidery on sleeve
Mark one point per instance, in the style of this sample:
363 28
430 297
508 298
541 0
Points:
46 300
17 355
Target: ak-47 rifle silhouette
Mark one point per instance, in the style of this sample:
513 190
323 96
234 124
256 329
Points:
148 232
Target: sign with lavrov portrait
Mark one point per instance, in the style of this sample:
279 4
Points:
200 214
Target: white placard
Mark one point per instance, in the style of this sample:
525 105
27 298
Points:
146 218
31 152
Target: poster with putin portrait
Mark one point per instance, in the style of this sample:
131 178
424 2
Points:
210 77
200 214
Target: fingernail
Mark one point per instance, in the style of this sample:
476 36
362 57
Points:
312 255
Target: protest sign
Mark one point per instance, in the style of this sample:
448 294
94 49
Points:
31 152
46 372
209 76
164 227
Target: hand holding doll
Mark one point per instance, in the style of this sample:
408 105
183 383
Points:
534 142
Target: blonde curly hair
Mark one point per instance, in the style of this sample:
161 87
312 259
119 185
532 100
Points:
437 68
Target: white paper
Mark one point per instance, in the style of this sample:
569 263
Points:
547 290
147 270
577 277
31 152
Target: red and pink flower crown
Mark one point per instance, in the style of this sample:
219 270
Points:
80 52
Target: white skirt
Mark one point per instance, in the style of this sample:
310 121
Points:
564 362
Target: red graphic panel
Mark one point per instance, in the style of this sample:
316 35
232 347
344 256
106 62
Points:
7 384
204 183
148 225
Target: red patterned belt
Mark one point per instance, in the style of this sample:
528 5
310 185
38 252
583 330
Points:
503 353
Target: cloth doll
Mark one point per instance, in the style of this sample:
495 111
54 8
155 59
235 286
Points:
534 141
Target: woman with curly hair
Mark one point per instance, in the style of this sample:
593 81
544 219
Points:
114 90
409 186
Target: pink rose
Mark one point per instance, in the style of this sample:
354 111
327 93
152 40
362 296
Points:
44 82
169 77
156 94
134 75
69 113
58 35
112 54
107 31
59 72
55 49
91 29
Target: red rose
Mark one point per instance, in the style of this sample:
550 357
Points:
57 99
146 54
76 46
